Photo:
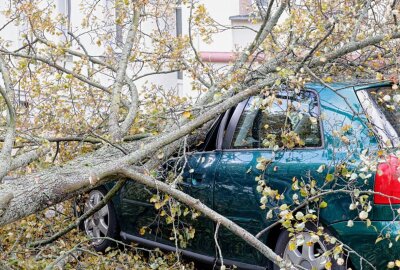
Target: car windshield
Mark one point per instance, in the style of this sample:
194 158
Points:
383 108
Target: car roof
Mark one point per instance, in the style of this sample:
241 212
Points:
349 85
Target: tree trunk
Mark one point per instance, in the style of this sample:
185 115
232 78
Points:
29 194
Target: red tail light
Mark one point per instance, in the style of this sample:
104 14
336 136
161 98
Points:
387 182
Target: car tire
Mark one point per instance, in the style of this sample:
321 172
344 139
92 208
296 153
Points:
101 224
305 255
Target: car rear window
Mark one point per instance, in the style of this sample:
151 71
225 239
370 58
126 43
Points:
382 105
388 100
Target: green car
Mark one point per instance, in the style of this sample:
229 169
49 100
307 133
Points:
221 173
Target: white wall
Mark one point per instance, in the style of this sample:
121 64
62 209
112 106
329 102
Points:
242 37
220 10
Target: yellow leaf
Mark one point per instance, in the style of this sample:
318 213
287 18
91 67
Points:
323 204
158 205
328 265
303 192
292 246
260 166
369 222
169 220
154 198
337 250
287 224
186 212
346 128
186 114
283 207
191 233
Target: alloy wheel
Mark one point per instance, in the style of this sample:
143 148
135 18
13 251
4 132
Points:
308 255
97 225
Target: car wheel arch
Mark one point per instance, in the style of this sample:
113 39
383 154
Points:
275 232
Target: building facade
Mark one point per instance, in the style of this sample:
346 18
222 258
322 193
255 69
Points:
235 15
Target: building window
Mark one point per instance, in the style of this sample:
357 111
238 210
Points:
23 29
117 28
244 7
262 3
64 8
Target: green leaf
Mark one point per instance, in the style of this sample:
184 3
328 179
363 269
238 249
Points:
329 177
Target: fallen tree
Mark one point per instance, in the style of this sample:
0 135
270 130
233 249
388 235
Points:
32 193
328 47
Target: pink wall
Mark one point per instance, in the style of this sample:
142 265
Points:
223 57
244 7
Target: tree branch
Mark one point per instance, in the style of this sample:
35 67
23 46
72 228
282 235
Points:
211 214
58 67
82 218
5 155
116 131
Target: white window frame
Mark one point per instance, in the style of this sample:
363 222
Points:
64 8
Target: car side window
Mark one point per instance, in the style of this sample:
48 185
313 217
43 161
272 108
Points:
285 120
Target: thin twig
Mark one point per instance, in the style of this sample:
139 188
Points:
216 243
315 48
89 213
120 148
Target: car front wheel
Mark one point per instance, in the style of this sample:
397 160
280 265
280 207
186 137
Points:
102 224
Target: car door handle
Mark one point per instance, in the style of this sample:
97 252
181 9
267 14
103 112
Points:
194 183
195 180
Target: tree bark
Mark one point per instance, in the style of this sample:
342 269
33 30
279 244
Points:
29 194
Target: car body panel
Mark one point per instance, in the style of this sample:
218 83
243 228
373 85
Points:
362 239
198 182
224 179
236 197
136 211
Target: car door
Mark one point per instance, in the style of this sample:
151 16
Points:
136 210
197 168
141 218
198 181
256 126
